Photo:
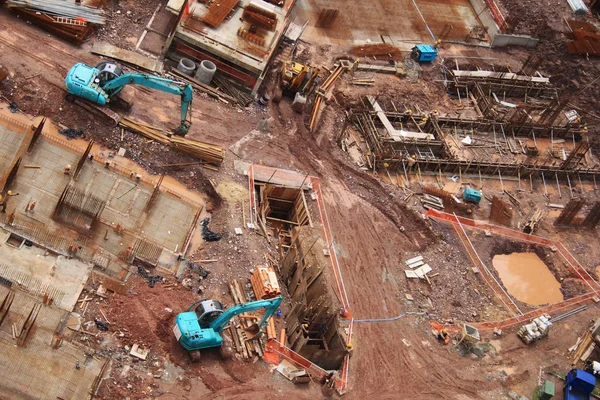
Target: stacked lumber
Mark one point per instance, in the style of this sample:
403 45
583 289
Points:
379 50
233 89
246 344
204 151
322 92
196 84
264 283
218 11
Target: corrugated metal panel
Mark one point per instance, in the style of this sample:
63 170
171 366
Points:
61 9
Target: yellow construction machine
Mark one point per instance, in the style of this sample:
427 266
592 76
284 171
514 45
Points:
296 80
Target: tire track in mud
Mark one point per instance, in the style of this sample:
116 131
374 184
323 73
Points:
382 359
324 161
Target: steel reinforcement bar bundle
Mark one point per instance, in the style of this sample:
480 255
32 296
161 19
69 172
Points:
61 8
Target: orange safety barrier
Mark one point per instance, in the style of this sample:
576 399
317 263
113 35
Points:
335 266
275 347
563 307
572 263
497 15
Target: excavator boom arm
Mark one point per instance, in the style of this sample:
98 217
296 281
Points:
154 82
270 307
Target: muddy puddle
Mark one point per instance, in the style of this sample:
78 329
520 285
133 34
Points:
527 278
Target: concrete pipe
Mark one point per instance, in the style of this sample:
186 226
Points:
186 66
206 71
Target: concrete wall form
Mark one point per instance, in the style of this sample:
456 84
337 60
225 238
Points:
313 326
489 19
502 39
486 17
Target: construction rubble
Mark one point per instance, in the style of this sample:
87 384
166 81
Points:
266 198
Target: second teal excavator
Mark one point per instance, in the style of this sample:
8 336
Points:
201 325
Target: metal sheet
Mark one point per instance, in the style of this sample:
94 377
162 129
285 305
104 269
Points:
130 57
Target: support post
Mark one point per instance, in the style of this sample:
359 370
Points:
81 161
36 135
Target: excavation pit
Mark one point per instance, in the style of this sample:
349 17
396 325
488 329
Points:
527 278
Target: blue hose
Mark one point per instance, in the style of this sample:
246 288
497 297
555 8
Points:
389 319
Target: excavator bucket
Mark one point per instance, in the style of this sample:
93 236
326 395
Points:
254 329
182 130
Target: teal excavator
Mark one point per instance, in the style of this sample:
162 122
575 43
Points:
201 325
102 83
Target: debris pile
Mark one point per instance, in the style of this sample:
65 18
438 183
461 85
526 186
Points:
71 133
100 325
69 20
207 234
152 279
202 272
537 329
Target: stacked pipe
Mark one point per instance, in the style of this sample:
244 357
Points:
264 283
69 20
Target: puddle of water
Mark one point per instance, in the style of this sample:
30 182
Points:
527 278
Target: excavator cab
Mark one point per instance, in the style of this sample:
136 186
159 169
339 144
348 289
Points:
207 311
107 71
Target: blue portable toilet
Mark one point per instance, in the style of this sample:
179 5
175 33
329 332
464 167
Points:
424 53
472 195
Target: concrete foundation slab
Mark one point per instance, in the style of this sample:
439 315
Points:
126 217
400 22
37 371
10 142
40 273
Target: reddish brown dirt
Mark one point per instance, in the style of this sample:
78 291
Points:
573 74
127 20
374 232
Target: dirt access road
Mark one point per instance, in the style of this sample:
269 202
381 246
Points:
373 230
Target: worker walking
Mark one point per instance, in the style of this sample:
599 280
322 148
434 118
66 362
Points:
328 382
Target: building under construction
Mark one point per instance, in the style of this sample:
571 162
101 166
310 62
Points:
513 125
239 37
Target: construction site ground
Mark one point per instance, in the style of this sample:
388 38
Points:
374 231
404 24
